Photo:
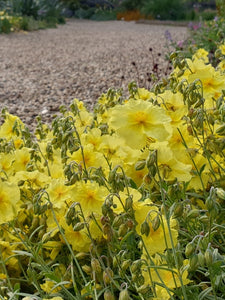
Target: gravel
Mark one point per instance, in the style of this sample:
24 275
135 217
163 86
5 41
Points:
41 70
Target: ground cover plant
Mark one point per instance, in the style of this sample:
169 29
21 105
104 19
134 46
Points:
29 15
125 202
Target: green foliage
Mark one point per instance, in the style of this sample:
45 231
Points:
131 4
5 26
104 15
208 36
31 14
164 9
208 14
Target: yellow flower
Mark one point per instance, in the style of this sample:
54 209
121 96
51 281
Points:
137 120
54 247
221 65
48 286
90 157
201 54
174 104
35 178
9 198
22 158
121 202
222 48
6 129
6 160
59 193
7 254
169 167
78 239
164 280
90 195
92 137
84 120
158 239
212 81
144 94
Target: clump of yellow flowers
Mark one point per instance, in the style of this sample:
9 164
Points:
125 202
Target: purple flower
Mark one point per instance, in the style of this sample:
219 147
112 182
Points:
168 35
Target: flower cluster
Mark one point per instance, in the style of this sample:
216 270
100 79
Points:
126 201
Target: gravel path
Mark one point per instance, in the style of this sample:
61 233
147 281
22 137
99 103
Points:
41 70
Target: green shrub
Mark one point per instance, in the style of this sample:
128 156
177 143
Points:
164 9
5 25
104 15
208 14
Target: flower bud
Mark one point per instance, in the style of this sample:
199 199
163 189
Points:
108 295
135 266
194 213
79 226
201 259
81 255
193 261
117 221
152 170
140 165
125 264
156 223
124 295
208 257
145 228
189 250
122 230
220 193
143 289
115 261
95 264
178 210
209 203
147 179
129 202
151 160
86 269
107 276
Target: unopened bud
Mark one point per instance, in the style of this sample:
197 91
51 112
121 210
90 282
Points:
208 257
156 223
178 210
124 295
201 259
152 170
107 276
81 255
117 221
140 165
79 226
189 250
194 213
125 264
145 228
129 203
151 160
122 230
95 264
86 269
193 261
135 266
143 289
108 295
220 193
